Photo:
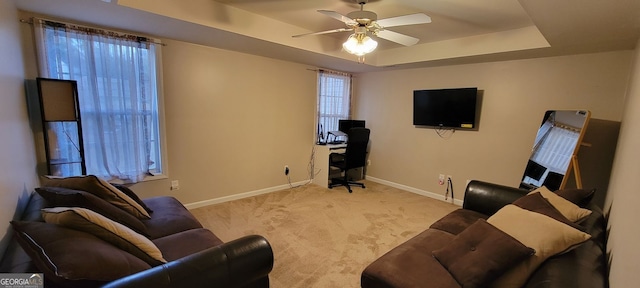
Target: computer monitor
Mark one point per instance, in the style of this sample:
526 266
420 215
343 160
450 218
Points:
344 125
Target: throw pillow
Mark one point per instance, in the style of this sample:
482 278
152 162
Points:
544 234
127 191
105 229
72 258
568 209
536 203
100 188
580 197
481 253
63 197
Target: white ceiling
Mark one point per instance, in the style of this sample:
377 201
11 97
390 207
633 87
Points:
462 31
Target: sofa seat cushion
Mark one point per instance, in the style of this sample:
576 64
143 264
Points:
458 220
185 243
412 264
169 217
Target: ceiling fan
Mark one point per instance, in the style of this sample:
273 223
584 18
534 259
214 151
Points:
363 22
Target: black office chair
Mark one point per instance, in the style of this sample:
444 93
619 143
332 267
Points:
354 157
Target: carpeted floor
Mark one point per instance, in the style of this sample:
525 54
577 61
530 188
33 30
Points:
325 237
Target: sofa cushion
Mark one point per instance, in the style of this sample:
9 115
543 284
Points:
458 220
536 203
544 234
113 232
412 264
481 253
580 197
72 258
173 218
63 197
190 241
568 209
127 191
100 188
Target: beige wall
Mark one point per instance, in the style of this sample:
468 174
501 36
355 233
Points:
515 96
17 156
622 201
233 121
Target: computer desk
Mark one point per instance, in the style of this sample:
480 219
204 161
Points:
322 162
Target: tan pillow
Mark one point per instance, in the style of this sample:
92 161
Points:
102 227
100 188
572 211
544 234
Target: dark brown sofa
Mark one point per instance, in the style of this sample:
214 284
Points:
195 256
412 264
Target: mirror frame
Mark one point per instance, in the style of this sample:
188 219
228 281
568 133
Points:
579 122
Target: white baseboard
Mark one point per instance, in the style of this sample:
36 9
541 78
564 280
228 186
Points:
219 200
415 190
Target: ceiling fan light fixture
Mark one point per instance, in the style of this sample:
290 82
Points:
359 44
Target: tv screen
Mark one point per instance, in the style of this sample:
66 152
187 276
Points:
447 108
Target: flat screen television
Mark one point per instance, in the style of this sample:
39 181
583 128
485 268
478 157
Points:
445 108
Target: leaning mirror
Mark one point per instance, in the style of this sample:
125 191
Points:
555 150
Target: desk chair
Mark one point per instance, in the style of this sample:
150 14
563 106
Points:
354 157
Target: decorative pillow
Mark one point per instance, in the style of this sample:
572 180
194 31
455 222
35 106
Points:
133 195
544 234
568 209
72 258
100 188
481 253
536 203
63 197
115 233
580 197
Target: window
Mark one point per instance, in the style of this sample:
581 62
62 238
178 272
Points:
118 95
334 99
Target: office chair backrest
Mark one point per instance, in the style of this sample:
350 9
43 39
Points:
356 153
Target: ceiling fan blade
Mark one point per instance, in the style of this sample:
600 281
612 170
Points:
412 19
339 16
397 37
324 32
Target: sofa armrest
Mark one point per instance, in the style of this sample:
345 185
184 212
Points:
237 263
488 198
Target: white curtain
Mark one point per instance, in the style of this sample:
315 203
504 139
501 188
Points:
334 99
117 90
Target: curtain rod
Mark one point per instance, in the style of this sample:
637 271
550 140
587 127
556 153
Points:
31 22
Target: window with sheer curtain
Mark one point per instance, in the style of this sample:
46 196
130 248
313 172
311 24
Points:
117 82
334 99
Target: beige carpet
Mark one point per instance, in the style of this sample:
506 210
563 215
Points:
325 237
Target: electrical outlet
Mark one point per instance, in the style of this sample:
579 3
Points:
286 170
175 185
441 179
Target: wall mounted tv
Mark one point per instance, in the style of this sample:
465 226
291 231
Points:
445 108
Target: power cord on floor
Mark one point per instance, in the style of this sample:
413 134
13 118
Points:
310 169
449 185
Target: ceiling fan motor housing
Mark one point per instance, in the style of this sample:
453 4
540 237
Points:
363 17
